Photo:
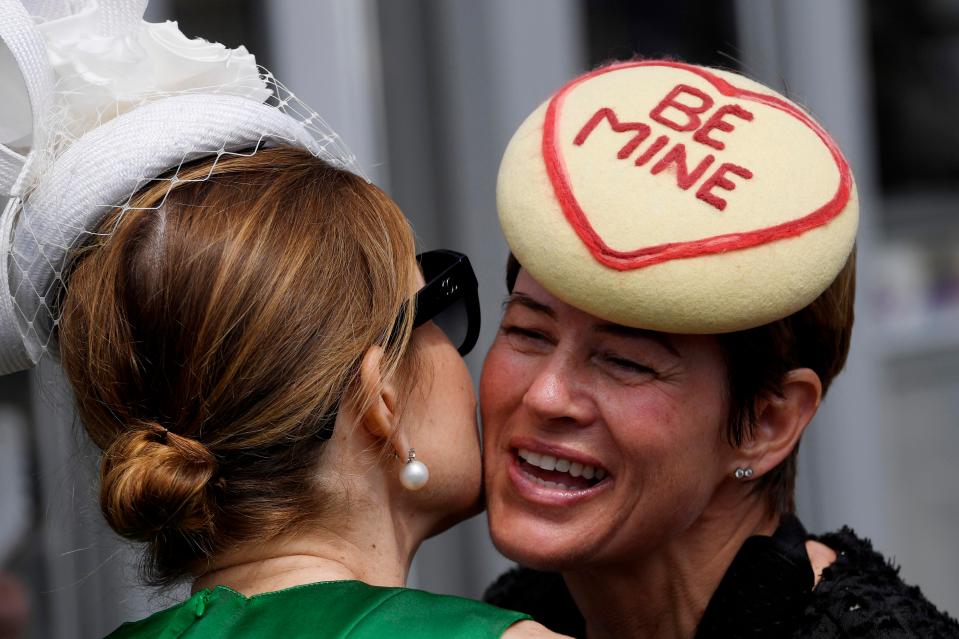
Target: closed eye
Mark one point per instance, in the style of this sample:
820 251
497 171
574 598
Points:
629 365
528 340
526 333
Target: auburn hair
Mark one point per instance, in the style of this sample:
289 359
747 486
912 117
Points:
210 329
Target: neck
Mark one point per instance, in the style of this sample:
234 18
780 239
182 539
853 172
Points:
374 541
665 592
309 559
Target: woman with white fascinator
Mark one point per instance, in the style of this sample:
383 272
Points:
274 379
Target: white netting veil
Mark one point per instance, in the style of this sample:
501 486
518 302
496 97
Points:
98 105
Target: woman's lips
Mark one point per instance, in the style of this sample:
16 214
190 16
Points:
554 487
561 470
553 450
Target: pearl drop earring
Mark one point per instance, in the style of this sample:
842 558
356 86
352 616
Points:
414 473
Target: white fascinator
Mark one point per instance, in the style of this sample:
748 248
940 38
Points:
97 104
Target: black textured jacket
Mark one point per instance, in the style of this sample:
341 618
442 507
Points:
768 592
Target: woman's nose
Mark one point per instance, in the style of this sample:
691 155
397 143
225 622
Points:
555 394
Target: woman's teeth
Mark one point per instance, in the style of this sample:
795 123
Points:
548 462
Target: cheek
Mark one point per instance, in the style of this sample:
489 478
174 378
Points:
493 389
670 471
672 440
454 389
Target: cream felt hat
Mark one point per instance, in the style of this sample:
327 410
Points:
678 198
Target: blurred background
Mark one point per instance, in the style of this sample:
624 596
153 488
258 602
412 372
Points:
427 94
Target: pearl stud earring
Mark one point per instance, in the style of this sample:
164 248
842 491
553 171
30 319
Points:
414 473
743 473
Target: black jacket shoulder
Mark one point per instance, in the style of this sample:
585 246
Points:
860 595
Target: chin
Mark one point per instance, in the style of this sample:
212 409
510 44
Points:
538 544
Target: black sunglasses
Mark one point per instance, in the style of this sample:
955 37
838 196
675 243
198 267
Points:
450 297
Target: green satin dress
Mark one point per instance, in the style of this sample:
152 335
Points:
325 610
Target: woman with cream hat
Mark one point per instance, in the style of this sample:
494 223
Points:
282 408
681 298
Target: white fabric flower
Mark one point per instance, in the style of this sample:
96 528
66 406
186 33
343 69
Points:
101 75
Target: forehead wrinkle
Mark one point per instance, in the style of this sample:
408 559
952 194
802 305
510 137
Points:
618 330
518 298
524 300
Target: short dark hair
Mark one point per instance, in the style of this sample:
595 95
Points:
757 360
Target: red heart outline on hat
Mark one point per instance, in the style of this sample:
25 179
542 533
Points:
639 258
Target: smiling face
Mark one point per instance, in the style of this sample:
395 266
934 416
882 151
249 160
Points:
565 395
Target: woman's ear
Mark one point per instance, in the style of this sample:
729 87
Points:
377 397
781 421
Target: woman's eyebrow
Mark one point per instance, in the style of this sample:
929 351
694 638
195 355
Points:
619 330
522 299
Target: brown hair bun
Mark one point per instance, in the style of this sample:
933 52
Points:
153 480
